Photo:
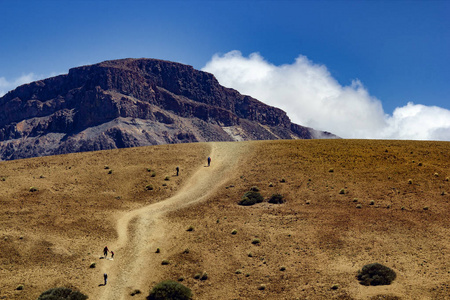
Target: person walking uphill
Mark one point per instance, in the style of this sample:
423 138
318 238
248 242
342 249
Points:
105 251
209 161
105 277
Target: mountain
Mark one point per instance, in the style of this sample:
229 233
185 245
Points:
133 102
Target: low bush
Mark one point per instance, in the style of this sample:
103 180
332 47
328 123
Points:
276 199
62 293
33 189
149 187
254 188
251 198
376 274
165 262
170 289
256 241
167 178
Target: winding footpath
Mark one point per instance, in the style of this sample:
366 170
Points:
142 230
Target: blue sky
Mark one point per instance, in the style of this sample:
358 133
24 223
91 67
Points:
396 52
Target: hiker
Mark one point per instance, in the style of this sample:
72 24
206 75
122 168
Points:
209 161
105 251
105 277
112 254
178 170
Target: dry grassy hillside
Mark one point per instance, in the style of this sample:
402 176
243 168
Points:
317 239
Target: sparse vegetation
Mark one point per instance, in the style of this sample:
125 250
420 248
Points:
251 198
33 189
335 286
276 199
190 228
170 289
153 174
167 178
270 184
234 231
204 276
62 293
376 274
149 187
165 262
342 191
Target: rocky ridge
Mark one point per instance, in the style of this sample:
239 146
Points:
133 102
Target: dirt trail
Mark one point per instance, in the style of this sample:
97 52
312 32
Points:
141 231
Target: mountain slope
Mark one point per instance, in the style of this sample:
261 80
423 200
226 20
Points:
133 102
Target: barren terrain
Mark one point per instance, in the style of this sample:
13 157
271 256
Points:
317 239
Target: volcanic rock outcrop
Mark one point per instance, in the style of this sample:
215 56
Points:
133 102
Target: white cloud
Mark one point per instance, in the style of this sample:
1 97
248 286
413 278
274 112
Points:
6 86
312 97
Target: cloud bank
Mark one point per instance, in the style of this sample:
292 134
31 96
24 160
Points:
312 97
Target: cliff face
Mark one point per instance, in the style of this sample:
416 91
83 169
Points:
133 102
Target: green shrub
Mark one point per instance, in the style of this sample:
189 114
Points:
158 250
282 268
271 184
376 274
33 189
262 287
251 198
238 271
19 287
335 286
110 172
372 202
234 231
342 191
410 181
331 170
167 178
204 276
62 293
165 262
197 276
153 174
358 206
254 188
135 292
92 265
276 199
283 180
149 187
190 228
256 241
170 289
106 167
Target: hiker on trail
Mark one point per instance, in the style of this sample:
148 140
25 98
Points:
178 170
209 161
112 254
105 277
105 251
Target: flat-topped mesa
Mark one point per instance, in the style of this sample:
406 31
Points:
133 102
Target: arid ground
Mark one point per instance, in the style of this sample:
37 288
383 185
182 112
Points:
348 203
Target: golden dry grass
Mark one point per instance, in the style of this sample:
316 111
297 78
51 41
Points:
50 237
